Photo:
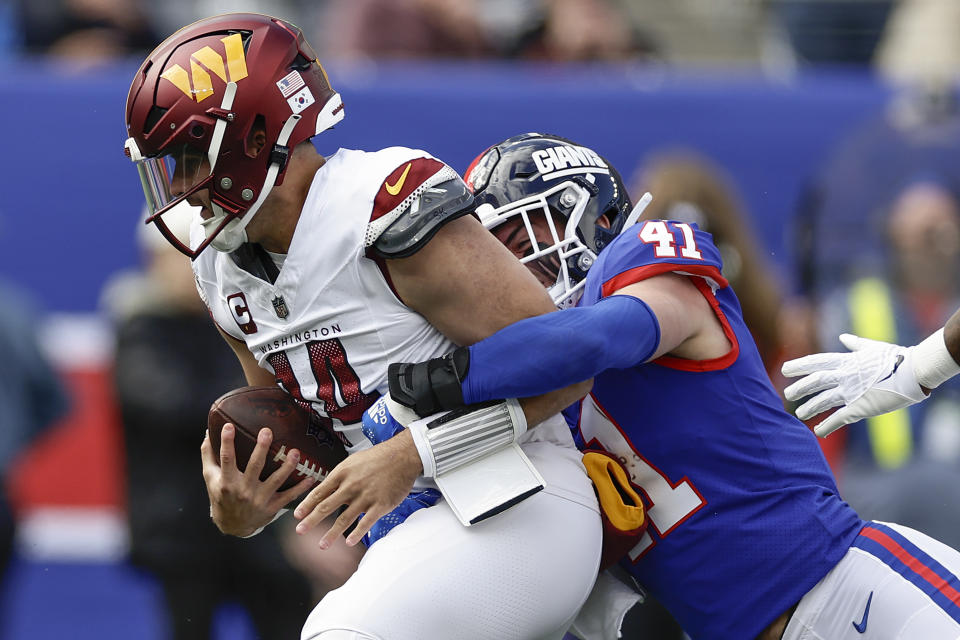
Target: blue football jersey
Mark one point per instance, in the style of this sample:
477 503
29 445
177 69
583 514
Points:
744 514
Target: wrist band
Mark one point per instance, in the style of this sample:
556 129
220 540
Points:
463 435
932 362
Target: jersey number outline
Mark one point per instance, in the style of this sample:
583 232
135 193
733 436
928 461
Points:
657 232
338 385
669 503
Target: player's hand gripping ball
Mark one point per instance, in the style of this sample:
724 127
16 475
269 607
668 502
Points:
294 426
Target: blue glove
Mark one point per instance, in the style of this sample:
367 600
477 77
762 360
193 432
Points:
379 425
414 502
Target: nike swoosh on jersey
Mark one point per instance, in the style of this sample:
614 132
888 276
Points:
394 189
862 627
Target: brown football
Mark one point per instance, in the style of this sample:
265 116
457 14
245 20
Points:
294 426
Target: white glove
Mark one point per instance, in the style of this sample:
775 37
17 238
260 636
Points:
874 378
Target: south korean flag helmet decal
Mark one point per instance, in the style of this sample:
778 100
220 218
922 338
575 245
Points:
529 176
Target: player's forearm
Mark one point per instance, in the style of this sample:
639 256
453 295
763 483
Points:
951 336
556 350
536 409
533 357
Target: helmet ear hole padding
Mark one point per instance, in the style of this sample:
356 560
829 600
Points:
256 137
300 63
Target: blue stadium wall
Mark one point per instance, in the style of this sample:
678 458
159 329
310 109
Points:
69 199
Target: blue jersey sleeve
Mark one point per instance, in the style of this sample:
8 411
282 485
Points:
649 248
548 352
551 351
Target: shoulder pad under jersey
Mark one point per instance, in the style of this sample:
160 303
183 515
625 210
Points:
406 216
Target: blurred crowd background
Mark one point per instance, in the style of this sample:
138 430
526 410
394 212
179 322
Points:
818 140
897 36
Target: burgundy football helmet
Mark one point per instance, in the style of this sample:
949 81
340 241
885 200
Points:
194 102
571 191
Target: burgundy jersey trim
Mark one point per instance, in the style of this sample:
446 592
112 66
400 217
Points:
401 183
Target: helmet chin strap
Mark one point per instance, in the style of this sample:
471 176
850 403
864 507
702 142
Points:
234 233
220 126
637 211
568 296
231 236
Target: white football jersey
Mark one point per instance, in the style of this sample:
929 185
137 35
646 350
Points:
330 323
328 327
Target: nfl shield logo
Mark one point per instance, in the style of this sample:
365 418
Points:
280 307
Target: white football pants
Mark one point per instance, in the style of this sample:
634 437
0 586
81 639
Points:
894 583
522 574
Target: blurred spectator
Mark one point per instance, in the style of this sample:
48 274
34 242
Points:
903 465
920 43
700 31
170 365
405 29
170 15
32 398
582 30
688 187
839 230
84 31
556 30
832 31
839 226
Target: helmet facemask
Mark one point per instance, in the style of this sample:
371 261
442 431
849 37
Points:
185 170
562 203
544 237
172 178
